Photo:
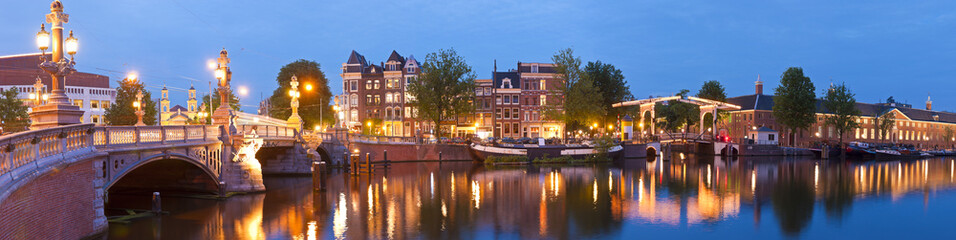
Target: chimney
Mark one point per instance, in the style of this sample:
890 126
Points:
758 86
929 104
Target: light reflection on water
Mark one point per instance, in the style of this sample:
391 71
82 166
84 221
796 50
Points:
687 198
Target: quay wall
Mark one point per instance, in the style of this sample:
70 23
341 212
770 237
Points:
413 152
61 202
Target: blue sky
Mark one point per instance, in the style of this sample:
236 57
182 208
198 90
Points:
879 48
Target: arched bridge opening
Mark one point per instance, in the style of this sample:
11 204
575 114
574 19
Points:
170 176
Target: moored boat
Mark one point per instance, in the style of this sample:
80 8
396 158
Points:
532 151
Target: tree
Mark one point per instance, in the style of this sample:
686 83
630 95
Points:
216 100
308 73
885 120
13 113
795 101
581 101
712 90
677 115
609 82
121 112
948 135
445 88
843 117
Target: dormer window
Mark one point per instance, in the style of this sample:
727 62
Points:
935 117
505 83
411 70
534 68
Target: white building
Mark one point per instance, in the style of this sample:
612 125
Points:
91 92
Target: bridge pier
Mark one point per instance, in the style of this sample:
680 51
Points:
240 169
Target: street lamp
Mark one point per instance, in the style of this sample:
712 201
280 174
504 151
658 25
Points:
223 115
58 110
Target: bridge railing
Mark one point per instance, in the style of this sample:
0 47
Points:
20 149
269 131
116 136
685 136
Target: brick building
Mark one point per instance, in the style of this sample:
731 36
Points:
923 128
376 96
91 92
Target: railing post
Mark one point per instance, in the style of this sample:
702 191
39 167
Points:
106 136
185 134
162 130
136 132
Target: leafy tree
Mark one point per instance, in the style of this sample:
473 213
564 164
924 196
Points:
841 104
13 113
581 103
445 88
885 121
712 90
795 101
311 101
121 112
948 135
609 82
677 115
216 100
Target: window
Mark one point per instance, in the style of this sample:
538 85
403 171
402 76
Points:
487 91
354 98
397 112
514 99
542 85
507 100
388 113
388 82
105 104
770 137
514 113
534 68
478 92
498 100
527 116
388 98
353 85
354 115
368 84
94 104
507 129
515 127
368 99
487 103
378 99
411 70
408 112
377 84
544 99
534 116
408 80
78 103
507 114
95 119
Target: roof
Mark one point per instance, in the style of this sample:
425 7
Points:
764 129
500 76
765 103
23 69
356 58
396 57
178 108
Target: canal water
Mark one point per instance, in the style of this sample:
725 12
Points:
690 198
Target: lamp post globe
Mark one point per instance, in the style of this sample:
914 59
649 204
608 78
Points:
58 110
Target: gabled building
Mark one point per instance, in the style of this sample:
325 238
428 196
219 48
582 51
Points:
377 96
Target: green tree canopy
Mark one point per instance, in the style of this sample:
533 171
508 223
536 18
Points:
841 104
677 115
885 120
445 88
581 103
311 101
121 112
795 101
13 112
712 90
609 82
216 100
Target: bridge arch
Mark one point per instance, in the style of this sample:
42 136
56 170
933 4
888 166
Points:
729 151
324 154
652 152
164 170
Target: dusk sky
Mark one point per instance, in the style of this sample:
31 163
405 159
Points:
906 49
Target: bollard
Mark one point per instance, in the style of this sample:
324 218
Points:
222 189
318 176
353 161
385 156
439 157
368 162
157 204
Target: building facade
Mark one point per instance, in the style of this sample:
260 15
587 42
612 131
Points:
375 97
375 100
91 92
923 128
179 115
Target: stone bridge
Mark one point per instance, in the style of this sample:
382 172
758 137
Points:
55 182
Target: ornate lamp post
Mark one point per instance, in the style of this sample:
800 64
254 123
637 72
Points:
294 120
58 110
223 115
336 109
38 96
139 108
